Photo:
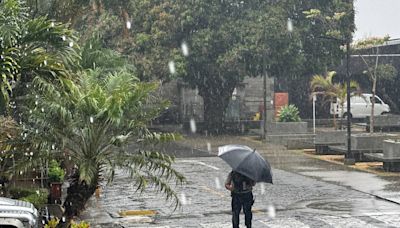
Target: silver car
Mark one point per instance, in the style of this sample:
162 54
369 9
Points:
15 213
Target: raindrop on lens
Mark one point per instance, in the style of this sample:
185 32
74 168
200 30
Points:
183 199
262 185
171 66
217 183
289 25
128 25
185 49
193 125
271 211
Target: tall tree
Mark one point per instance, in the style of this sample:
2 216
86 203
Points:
374 69
230 40
326 26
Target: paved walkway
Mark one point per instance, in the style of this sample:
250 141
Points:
306 193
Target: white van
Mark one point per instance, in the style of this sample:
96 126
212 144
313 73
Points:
360 106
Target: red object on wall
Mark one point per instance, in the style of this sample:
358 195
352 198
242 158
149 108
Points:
280 100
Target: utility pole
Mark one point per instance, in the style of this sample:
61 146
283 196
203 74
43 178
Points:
264 103
349 157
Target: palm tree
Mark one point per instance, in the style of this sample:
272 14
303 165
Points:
32 48
323 85
331 91
92 121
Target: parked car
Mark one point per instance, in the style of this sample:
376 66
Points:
14 213
360 106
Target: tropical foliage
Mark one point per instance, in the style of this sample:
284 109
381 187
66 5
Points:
332 91
90 122
80 117
31 48
289 113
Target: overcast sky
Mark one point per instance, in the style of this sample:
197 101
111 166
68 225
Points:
377 18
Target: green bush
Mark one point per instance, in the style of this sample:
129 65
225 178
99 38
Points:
20 192
38 199
289 113
56 173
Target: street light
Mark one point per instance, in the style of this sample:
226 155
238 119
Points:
349 157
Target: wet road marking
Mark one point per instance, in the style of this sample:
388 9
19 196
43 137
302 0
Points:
210 190
199 163
283 223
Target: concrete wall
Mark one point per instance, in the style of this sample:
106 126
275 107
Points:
330 137
391 149
287 128
367 141
249 94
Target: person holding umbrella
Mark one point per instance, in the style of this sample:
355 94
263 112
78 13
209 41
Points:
248 168
242 197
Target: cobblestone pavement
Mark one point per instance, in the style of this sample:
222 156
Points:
302 195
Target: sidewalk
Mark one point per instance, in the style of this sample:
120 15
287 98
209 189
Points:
367 177
307 192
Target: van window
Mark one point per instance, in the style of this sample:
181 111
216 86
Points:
358 99
378 101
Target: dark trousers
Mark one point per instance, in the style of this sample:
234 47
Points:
239 201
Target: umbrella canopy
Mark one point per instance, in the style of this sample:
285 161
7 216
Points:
246 161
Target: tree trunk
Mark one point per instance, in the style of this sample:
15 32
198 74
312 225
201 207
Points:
371 118
374 78
214 112
215 104
77 195
125 17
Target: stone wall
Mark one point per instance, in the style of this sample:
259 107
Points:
249 95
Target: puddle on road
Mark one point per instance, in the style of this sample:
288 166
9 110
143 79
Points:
355 207
364 182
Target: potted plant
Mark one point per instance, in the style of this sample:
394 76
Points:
55 178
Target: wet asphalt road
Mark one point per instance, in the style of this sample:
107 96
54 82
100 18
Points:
306 193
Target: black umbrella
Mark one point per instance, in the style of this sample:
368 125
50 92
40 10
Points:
246 161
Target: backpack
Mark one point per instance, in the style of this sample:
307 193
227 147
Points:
241 183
